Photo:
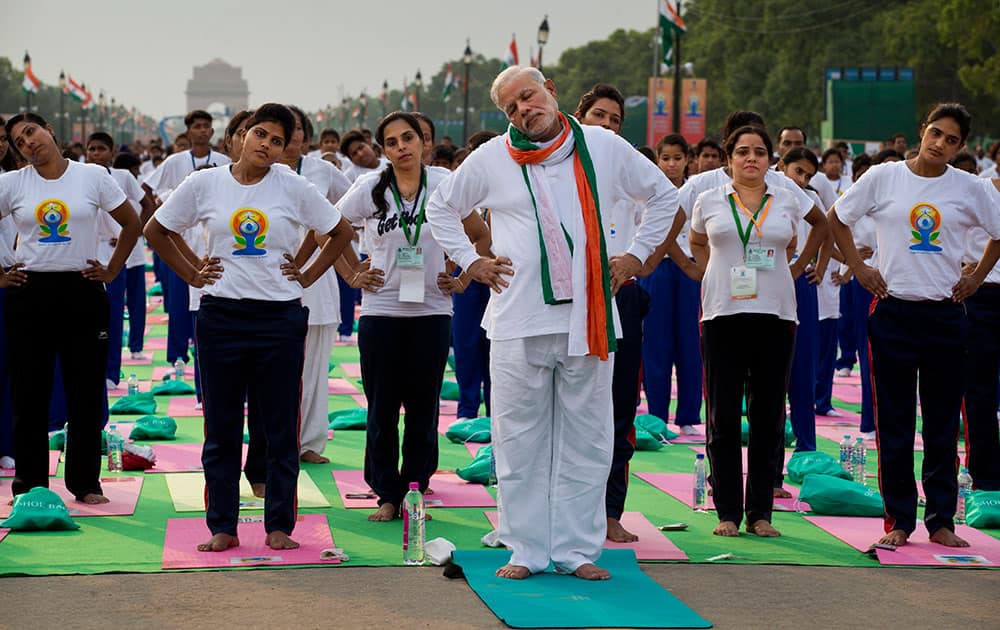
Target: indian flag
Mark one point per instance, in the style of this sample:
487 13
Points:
510 57
31 82
670 24
75 90
449 83
404 104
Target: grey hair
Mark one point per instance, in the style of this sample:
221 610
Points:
509 74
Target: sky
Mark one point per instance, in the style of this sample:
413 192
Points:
307 52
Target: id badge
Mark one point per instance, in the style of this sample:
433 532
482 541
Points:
760 258
743 283
410 256
411 284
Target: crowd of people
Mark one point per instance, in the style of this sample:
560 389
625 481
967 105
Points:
567 270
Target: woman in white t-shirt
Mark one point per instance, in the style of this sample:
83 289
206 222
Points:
251 323
742 236
832 165
918 326
56 302
405 320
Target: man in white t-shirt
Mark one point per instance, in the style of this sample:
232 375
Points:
549 182
361 155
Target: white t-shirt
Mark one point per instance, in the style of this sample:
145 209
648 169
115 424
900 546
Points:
58 219
110 229
383 237
172 171
839 185
713 216
828 294
249 228
824 188
921 225
989 173
353 171
976 240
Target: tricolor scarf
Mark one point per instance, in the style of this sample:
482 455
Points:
556 245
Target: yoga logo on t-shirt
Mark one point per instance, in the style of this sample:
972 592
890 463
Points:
249 227
925 224
53 217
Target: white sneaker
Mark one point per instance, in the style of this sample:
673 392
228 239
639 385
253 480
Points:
7 462
343 338
843 372
198 406
689 429
138 356
111 384
833 413
868 436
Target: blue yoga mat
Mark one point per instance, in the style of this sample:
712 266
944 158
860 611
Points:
549 600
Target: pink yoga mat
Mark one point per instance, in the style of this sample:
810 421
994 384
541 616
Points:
183 407
444 421
122 388
448 407
860 532
360 400
837 434
652 544
847 419
847 393
128 360
688 439
472 447
123 493
155 343
172 458
743 453
3 533
53 465
312 532
449 491
853 379
341 386
681 487
162 370
352 370
158 319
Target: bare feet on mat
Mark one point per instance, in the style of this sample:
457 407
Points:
726 528
896 537
280 540
385 513
781 493
312 457
946 537
258 489
513 572
94 499
617 533
591 572
763 529
220 542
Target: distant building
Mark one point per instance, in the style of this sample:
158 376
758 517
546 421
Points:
217 82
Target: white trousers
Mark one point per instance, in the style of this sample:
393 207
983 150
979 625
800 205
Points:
553 436
315 388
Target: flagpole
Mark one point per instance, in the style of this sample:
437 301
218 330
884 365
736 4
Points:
676 60
657 47
27 93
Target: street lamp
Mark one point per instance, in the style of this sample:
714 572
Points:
466 61
83 115
111 118
62 107
543 38
101 103
385 95
343 112
27 93
417 83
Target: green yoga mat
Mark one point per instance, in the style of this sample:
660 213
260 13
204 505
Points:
630 599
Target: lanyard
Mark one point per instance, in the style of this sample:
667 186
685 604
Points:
755 222
298 167
208 158
399 207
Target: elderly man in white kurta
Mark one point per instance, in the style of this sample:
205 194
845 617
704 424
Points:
550 185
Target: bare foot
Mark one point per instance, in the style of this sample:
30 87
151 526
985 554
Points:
258 489
94 499
726 528
280 540
513 572
428 492
312 457
385 513
591 572
896 537
763 529
617 533
220 542
946 537
781 493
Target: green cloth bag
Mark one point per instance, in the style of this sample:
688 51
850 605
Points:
140 404
57 441
173 388
478 471
154 428
745 433
803 463
833 496
982 509
646 441
655 426
156 289
475 430
348 420
39 509
449 390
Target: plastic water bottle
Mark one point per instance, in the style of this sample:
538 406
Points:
115 442
133 384
846 455
700 476
860 459
964 490
413 525
178 370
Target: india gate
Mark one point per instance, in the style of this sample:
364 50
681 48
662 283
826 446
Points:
217 82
